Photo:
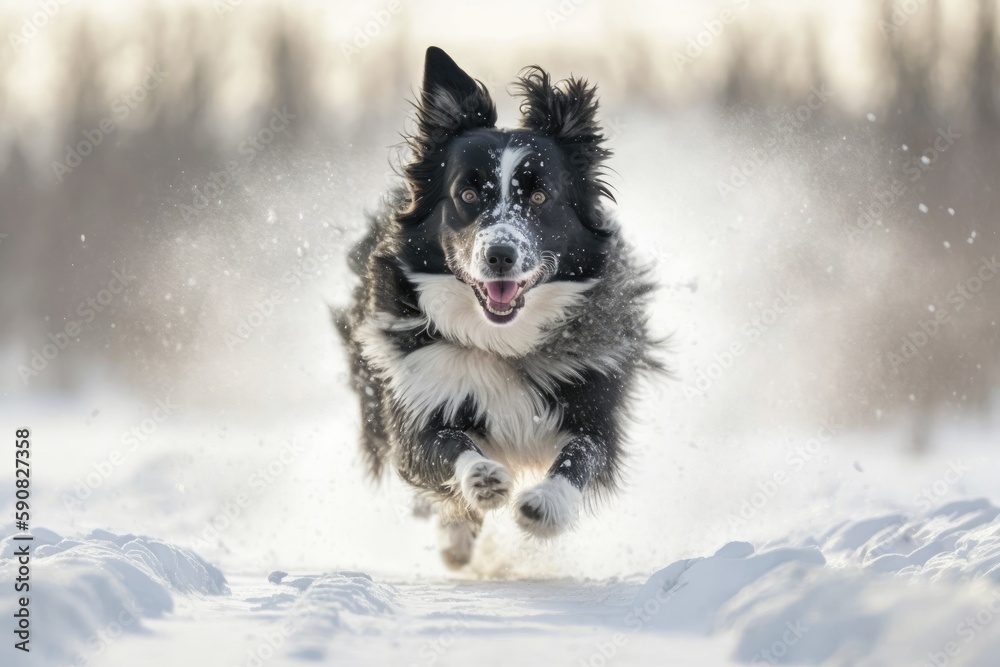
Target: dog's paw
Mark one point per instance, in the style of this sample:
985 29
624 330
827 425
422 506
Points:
456 541
549 508
484 483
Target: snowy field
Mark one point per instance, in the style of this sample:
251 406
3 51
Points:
860 557
752 530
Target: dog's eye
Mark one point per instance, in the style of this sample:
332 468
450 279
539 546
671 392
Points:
469 196
538 197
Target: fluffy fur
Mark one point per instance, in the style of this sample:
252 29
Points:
549 508
500 323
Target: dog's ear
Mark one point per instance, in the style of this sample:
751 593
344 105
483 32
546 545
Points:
451 101
567 112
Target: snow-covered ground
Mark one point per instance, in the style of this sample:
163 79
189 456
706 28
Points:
836 550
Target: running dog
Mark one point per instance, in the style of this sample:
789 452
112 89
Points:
500 322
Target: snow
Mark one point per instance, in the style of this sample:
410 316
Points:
836 593
864 556
688 594
87 592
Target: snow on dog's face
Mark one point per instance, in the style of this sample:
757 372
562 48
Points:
503 222
507 223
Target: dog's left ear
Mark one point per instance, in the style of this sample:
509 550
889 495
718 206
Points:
567 112
451 101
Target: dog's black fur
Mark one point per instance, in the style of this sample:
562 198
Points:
500 322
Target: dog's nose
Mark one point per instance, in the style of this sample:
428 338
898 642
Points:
501 257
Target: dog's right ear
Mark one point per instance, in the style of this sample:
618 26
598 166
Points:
451 101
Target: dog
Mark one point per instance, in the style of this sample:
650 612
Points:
500 323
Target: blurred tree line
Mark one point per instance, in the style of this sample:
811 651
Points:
128 202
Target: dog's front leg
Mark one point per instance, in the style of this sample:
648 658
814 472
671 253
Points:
448 459
446 462
553 506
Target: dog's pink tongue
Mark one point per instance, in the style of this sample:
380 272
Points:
501 293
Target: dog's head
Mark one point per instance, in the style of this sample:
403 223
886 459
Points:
505 212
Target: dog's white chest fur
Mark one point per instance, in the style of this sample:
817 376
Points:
473 361
521 427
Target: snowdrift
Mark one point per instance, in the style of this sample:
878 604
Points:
884 590
87 592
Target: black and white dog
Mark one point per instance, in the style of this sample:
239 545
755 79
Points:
500 323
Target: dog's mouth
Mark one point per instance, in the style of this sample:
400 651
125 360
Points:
500 299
